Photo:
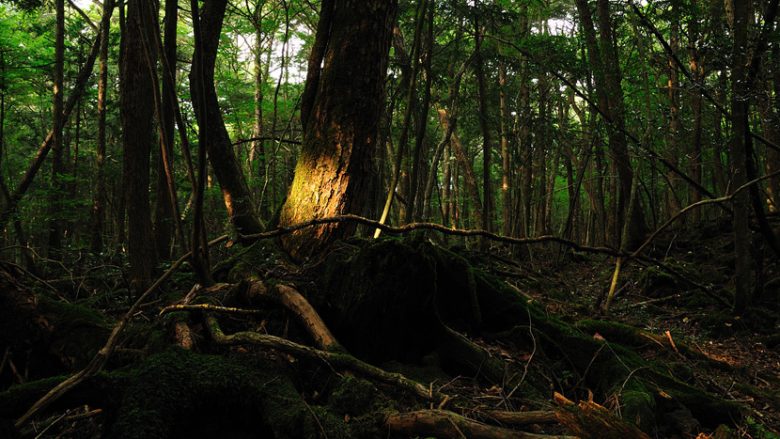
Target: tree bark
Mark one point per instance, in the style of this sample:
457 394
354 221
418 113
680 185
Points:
235 191
340 112
738 153
137 100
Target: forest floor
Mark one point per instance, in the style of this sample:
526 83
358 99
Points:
693 336
659 304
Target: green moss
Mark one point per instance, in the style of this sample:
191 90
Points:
79 331
638 407
182 394
656 282
352 396
69 315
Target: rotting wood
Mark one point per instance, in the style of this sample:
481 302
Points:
589 420
522 418
443 423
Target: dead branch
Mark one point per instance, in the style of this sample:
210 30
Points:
443 423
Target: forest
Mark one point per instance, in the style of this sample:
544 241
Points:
390 218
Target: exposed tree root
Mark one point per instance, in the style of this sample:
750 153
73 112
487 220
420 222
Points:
334 359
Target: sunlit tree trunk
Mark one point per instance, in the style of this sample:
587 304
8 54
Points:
340 112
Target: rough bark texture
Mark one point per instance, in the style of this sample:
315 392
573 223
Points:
341 120
137 137
235 191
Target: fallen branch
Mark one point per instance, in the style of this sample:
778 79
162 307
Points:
334 359
443 423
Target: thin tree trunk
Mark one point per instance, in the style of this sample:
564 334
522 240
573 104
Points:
57 167
487 185
697 70
506 194
235 191
673 204
415 210
469 177
99 197
404 137
164 221
200 249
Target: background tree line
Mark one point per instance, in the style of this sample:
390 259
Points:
596 121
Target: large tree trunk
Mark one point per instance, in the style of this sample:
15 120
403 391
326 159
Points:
235 191
137 100
340 111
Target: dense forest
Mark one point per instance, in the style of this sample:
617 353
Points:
390 218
